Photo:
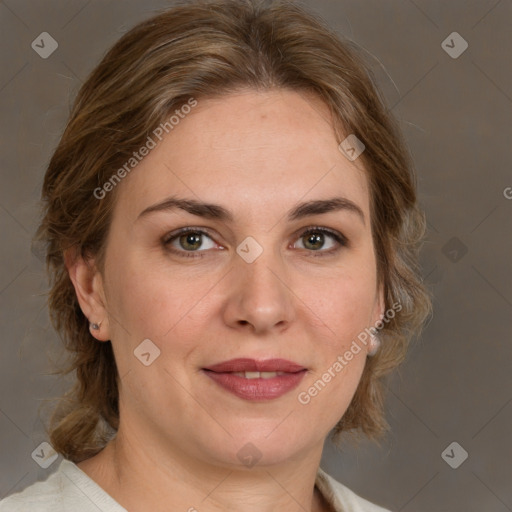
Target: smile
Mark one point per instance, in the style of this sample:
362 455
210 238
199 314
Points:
254 380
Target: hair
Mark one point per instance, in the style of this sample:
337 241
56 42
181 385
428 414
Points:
207 49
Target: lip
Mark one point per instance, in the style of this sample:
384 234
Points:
258 389
252 365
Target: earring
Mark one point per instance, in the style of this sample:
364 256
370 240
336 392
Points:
374 344
95 326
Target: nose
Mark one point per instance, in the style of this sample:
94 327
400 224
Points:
259 298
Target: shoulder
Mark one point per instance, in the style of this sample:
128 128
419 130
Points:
38 497
66 489
342 498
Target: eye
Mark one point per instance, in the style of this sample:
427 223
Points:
188 240
314 239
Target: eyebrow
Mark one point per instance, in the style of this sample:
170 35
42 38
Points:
218 212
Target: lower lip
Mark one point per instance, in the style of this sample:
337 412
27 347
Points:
257 389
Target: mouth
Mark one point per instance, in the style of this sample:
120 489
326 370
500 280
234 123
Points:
247 365
254 380
258 375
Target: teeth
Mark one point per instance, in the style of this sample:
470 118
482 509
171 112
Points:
258 375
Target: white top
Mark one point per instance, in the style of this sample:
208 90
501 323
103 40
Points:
69 489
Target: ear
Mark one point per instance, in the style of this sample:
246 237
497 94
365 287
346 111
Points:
88 284
379 307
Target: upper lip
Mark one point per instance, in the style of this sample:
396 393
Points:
253 365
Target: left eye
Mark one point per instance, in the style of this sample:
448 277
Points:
191 241
315 239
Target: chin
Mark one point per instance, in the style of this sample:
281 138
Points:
259 447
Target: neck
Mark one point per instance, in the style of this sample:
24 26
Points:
140 478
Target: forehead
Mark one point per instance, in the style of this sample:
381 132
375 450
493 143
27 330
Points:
254 151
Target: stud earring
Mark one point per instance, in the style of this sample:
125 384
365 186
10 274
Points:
95 326
374 345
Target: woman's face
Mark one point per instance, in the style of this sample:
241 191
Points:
247 282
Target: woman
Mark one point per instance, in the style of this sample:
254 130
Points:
232 232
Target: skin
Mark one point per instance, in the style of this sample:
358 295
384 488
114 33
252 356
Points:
257 154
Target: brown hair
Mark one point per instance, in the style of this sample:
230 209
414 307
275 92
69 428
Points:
206 49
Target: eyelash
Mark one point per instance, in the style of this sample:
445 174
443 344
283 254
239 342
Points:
338 237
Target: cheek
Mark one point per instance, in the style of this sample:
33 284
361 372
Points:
343 303
340 357
150 301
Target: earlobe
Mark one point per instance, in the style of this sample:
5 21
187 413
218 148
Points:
88 284
377 323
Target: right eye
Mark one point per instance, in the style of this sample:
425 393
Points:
188 240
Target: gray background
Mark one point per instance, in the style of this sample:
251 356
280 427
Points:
457 118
